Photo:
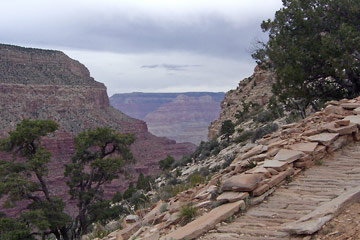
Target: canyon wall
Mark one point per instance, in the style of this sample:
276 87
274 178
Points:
183 117
46 84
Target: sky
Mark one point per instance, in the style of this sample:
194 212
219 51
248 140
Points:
146 45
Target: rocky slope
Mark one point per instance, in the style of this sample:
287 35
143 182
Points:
183 117
254 89
41 84
257 185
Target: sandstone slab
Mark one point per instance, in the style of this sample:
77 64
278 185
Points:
254 151
277 165
288 155
356 110
355 119
242 182
206 222
313 221
343 130
275 180
260 190
350 105
232 196
331 109
324 138
259 169
307 147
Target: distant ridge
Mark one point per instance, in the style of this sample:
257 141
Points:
183 116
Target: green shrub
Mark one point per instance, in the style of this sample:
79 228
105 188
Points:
260 132
166 163
187 213
244 136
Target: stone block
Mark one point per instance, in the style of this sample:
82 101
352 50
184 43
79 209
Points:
307 147
288 155
260 190
277 165
343 130
259 170
254 151
350 106
206 222
242 182
231 196
311 132
275 180
355 119
357 111
305 164
324 138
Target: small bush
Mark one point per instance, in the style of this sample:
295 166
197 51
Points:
187 213
195 179
166 163
244 136
260 132
163 207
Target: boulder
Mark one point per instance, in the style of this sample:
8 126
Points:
334 110
242 182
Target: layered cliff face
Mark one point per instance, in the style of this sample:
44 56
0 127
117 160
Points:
183 117
254 89
44 84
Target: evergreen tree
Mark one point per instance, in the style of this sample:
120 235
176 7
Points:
93 165
314 49
227 129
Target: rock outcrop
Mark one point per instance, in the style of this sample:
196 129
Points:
254 89
46 84
183 117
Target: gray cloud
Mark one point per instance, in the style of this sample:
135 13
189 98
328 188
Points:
171 67
115 30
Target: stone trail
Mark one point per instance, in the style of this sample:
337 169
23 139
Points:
306 192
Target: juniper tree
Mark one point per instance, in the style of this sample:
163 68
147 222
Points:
314 49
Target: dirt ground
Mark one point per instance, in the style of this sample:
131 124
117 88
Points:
345 226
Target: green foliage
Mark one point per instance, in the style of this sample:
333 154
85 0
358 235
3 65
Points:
195 179
24 179
244 136
227 129
187 213
163 207
262 131
166 163
143 183
14 229
94 164
313 48
129 192
206 149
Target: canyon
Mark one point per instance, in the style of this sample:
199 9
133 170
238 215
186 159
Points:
47 84
183 117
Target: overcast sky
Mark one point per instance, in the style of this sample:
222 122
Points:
145 45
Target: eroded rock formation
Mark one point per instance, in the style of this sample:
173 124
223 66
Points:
255 89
